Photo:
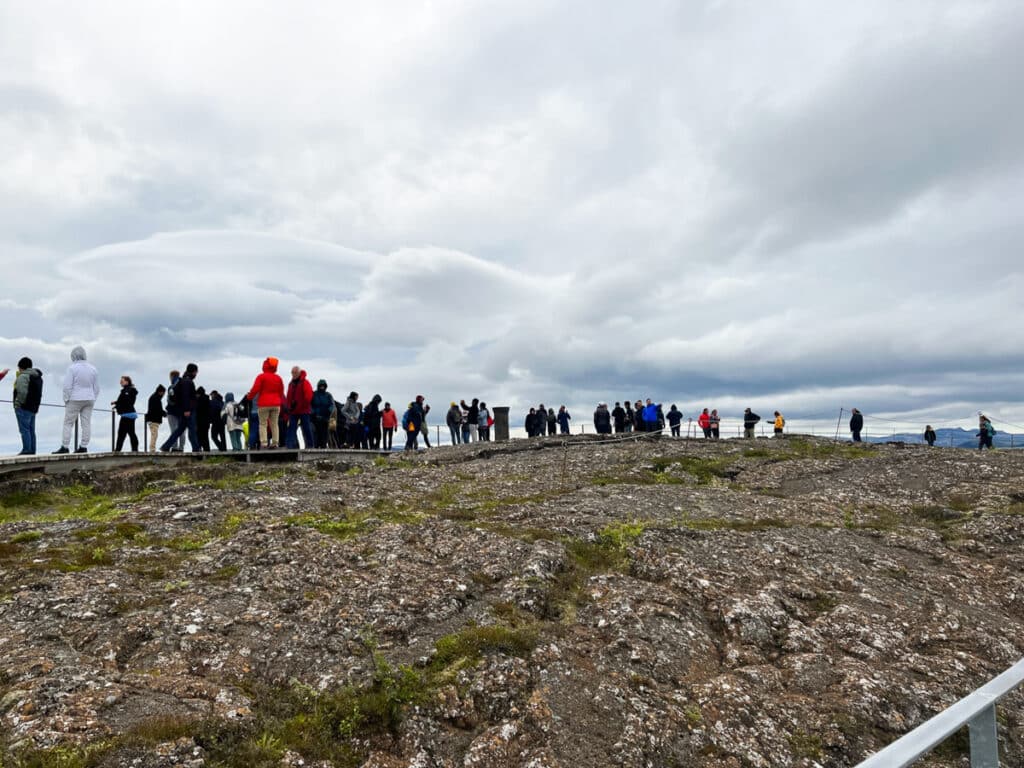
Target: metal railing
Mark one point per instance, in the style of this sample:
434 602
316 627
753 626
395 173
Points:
113 421
977 710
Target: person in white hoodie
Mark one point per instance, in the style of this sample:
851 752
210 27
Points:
81 388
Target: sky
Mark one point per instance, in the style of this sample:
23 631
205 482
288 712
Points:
802 206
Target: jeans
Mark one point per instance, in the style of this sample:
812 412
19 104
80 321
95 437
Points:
126 428
456 436
389 434
27 428
483 434
236 439
320 429
254 431
75 410
296 422
184 425
411 438
172 424
466 437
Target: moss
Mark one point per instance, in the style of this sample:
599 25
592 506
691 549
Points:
871 517
475 641
72 502
806 745
26 536
339 528
1016 508
694 716
729 524
962 502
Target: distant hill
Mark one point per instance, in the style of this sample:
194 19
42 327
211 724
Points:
955 438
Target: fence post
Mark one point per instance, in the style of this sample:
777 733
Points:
113 419
76 434
984 739
839 421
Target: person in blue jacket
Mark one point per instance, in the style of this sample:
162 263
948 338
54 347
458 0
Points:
650 416
563 420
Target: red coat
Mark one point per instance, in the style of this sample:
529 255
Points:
268 387
389 418
300 396
704 421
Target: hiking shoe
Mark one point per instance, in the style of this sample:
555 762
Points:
83 449
62 449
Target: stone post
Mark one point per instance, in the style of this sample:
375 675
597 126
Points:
500 423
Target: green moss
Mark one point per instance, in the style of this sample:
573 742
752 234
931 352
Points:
69 503
806 745
339 528
871 517
728 524
26 536
473 642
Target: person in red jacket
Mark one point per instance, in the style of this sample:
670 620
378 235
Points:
300 406
389 421
269 388
704 422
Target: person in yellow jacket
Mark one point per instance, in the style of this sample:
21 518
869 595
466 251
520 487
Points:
780 422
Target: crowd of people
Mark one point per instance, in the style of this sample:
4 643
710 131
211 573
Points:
274 413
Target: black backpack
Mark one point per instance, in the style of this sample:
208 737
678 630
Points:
35 392
241 413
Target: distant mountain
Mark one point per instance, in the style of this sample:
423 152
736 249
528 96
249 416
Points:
954 438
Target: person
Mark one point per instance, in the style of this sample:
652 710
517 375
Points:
715 423
321 408
389 422
630 417
300 406
217 422
155 415
638 417
454 421
234 416
602 419
929 435
81 388
530 424
412 422
675 417
985 432
185 410
619 417
203 419
564 418
254 422
424 429
172 410
470 421
269 388
704 422
780 422
540 421
28 394
483 423
651 420
856 424
372 420
750 420
552 420
124 406
352 411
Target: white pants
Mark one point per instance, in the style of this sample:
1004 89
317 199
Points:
73 411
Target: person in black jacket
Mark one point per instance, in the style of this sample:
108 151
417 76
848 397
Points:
750 420
856 424
603 419
203 419
371 420
125 408
217 422
185 409
630 418
618 418
531 422
155 414
929 435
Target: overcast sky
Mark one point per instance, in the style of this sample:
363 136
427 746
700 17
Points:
795 205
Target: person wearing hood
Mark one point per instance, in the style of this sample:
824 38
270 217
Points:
28 394
371 419
184 410
675 418
454 421
124 406
414 421
352 411
81 388
483 423
269 388
563 420
856 424
217 422
321 408
155 415
603 419
630 417
300 407
234 415
172 407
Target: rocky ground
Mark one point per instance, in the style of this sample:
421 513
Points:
751 604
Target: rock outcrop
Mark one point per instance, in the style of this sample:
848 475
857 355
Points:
758 604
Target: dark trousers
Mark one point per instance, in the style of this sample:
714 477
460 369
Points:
389 434
354 439
126 428
856 435
301 421
219 437
411 438
254 431
675 431
373 437
320 427
707 432
203 432
184 425
484 434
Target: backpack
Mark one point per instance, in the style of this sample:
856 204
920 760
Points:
405 421
34 396
170 394
240 413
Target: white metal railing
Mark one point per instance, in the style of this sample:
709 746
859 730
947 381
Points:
977 710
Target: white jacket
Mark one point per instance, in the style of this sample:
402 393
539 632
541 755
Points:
81 382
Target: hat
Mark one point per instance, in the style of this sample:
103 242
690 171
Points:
419 398
454 403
